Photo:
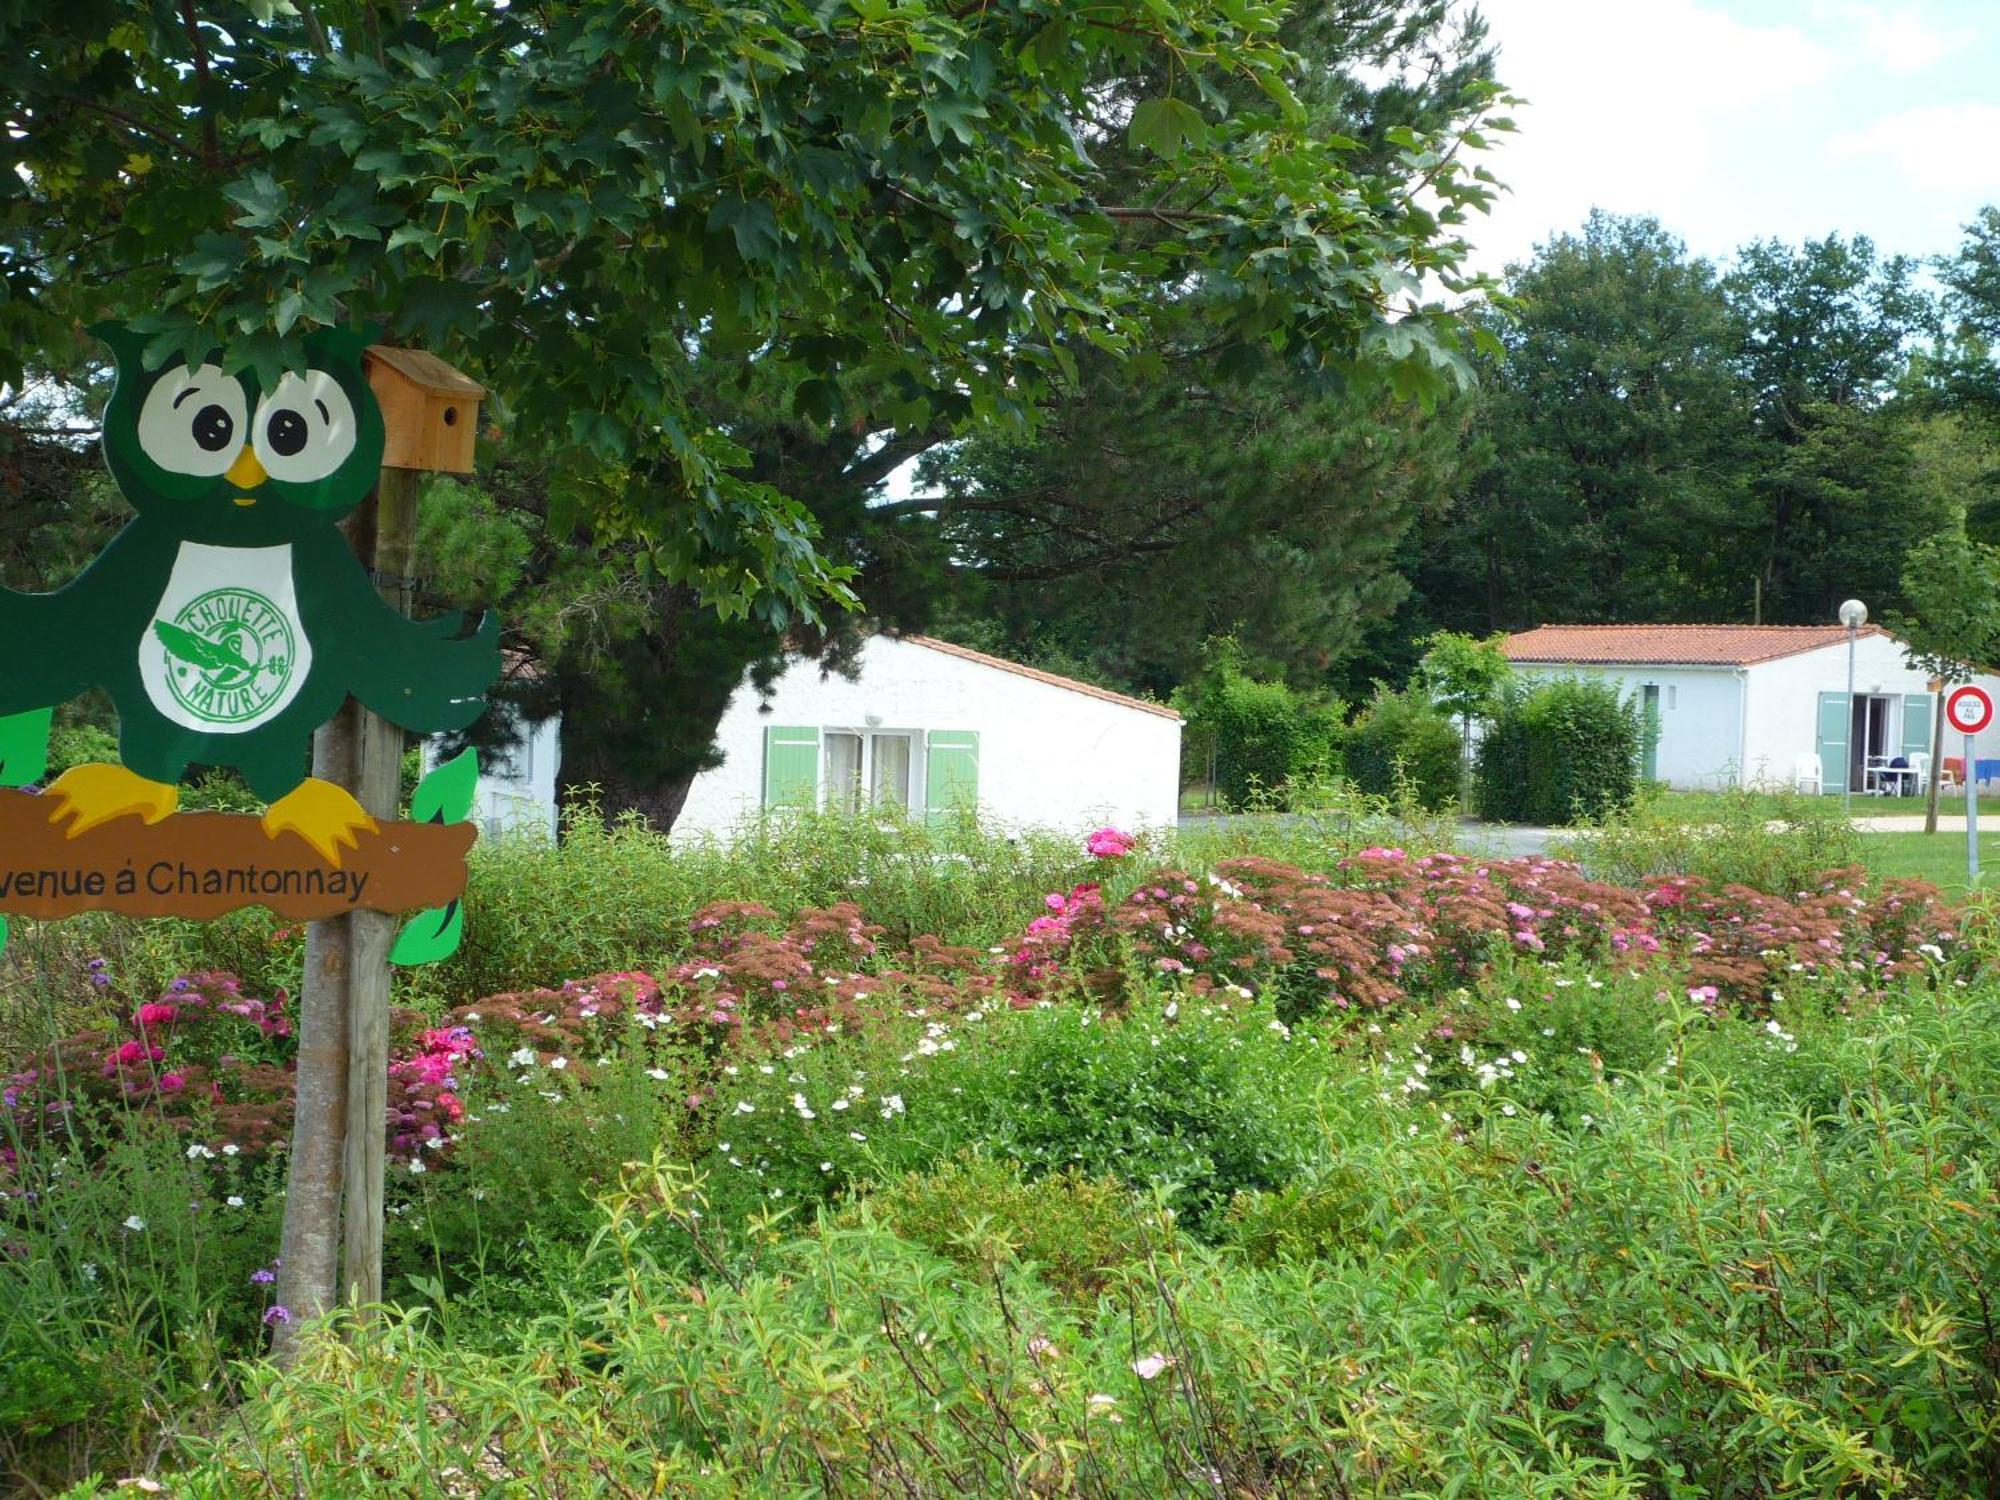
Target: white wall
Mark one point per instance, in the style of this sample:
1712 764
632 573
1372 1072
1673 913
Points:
517 791
1049 756
1701 734
1784 700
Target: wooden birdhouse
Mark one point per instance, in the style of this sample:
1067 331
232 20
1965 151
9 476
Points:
430 411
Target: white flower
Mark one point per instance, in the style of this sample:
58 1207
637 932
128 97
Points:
1149 1366
840 1104
1512 1003
1507 1110
745 1107
417 1167
472 1015
1100 1399
233 1200
136 1224
89 1269
230 1148
198 1152
522 1057
558 1063
826 1166
855 1135
893 1105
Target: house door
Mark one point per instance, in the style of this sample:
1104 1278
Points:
1649 731
1868 737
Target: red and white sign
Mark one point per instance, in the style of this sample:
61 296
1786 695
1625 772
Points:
1968 709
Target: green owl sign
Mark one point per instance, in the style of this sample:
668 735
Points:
227 622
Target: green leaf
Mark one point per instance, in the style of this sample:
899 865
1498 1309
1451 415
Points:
754 226
429 936
445 793
210 656
1166 126
24 746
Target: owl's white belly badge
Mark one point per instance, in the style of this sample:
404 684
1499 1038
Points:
226 650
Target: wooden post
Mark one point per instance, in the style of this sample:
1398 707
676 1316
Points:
307 1285
377 785
429 414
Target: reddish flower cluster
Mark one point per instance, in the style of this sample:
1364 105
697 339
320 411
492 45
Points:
1386 926
1380 929
1742 945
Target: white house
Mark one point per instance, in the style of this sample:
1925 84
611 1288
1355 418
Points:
517 789
1758 705
933 727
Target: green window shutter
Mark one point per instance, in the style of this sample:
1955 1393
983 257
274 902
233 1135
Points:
791 767
1834 714
951 774
1916 724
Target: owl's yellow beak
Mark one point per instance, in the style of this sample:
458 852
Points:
246 474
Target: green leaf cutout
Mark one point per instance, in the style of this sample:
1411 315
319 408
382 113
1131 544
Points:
196 652
3 934
24 746
429 936
445 794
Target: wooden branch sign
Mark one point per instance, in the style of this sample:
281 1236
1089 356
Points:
227 622
202 865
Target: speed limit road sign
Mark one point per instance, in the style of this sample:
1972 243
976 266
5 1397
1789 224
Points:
1968 709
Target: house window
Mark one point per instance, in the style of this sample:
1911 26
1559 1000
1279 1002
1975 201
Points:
866 769
1671 692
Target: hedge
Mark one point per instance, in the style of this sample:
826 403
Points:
1404 730
1559 752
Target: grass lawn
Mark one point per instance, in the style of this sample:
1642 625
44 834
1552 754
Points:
1936 857
1691 807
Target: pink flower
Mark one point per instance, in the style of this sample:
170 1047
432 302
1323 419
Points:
156 1014
1110 843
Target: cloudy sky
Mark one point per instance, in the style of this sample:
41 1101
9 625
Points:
1732 120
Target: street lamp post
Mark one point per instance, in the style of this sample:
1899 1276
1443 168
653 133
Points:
1853 614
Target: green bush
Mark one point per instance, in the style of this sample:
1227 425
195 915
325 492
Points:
1262 734
1675 1286
1778 842
1559 752
1401 742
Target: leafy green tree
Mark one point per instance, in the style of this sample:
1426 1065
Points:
1465 677
1621 437
1951 625
1826 330
586 201
1968 356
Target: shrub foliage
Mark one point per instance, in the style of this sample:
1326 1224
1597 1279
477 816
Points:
1559 752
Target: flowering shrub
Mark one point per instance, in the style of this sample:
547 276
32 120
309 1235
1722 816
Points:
1742 944
1385 927
1381 930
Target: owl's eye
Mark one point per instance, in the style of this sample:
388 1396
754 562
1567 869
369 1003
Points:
192 421
304 429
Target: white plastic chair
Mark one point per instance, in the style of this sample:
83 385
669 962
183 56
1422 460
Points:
1806 775
1920 762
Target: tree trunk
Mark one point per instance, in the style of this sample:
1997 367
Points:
1937 761
596 778
309 1244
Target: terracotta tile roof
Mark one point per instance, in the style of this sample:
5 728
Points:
1089 690
1672 645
